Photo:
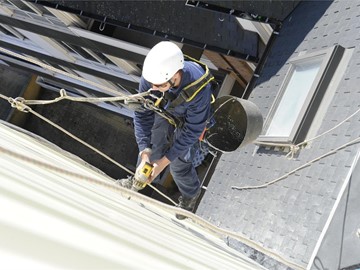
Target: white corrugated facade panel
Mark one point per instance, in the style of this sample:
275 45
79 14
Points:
59 213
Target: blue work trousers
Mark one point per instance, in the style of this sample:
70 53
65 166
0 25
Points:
182 168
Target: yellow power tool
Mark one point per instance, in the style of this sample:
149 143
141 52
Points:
141 177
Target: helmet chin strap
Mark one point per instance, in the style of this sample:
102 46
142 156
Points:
171 83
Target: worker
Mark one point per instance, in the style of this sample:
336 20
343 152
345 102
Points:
160 141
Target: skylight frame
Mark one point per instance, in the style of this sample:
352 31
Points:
330 59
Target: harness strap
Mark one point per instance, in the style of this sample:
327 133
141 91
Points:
187 94
149 104
190 91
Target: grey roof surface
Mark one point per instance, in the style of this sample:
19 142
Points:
288 217
341 244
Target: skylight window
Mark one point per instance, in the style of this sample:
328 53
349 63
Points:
299 97
299 86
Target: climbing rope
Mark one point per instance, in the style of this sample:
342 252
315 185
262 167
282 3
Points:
64 96
300 167
295 148
20 104
144 200
304 143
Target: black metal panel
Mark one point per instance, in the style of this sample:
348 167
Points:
259 10
171 20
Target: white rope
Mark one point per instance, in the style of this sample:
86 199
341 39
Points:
100 86
21 106
64 95
19 103
137 197
304 143
294 148
300 167
24 108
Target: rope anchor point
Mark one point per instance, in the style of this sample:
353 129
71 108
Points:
19 103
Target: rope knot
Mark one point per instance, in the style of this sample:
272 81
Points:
19 103
293 150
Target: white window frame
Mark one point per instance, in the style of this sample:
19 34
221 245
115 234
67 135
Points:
330 60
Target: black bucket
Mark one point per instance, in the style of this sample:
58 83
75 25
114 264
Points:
238 122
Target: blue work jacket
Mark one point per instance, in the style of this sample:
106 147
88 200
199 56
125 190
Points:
194 114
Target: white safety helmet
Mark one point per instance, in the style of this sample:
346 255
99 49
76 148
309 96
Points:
162 62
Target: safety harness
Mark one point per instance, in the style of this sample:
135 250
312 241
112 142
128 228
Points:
187 94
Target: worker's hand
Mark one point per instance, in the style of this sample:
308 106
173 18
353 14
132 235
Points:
159 166
145 157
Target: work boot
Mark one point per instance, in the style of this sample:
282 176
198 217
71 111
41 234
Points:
125 182
187 204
